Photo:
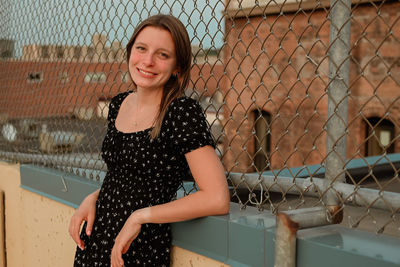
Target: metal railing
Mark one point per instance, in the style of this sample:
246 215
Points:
302 96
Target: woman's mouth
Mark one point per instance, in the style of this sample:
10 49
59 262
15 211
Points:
146 72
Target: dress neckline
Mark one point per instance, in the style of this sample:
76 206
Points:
117 111
125 95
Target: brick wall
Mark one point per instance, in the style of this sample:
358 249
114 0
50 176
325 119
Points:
61 86
281 63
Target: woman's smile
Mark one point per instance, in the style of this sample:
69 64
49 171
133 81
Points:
147 73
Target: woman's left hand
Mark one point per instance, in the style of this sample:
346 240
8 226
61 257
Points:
123 240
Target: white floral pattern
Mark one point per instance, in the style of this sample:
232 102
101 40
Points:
142 172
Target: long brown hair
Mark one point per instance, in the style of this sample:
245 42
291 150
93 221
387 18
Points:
176 85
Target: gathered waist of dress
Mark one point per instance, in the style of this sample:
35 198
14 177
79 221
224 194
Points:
151 191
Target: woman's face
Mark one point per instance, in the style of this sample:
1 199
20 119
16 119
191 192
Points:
153 58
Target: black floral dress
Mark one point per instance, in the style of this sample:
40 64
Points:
142 172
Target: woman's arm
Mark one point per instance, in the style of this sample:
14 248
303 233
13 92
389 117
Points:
212 198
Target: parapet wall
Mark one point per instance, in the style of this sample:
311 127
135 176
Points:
36 229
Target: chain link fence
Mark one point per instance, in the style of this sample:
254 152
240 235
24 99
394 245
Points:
302 97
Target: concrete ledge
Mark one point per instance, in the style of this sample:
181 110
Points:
334 245
60 186
243 238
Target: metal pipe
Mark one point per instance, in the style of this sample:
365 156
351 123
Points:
78 160
285 241
287 225
315 187
339 69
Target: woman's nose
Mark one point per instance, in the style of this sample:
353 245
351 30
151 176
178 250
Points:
148 59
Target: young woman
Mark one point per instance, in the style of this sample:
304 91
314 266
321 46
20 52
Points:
156 137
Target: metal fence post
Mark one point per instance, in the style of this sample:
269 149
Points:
337 96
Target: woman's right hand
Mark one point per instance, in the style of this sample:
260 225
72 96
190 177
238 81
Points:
85 212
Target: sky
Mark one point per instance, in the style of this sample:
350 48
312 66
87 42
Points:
74 22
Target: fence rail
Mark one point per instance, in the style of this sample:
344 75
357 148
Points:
302 97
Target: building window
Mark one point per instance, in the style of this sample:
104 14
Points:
90 53
45 51
95 77
113 54
60 52
125 77
77 52
262 140
380 134
102 108
63 76
6 48
34 77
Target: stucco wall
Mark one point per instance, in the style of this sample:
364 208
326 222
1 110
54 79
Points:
36 229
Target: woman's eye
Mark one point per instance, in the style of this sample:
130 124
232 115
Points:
164 55
140 48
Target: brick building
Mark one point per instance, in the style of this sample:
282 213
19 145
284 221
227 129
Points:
277 79
97 51
51 81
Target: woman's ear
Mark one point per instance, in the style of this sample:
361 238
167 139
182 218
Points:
175 71
175 74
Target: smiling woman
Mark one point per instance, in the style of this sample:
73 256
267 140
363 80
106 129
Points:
152 61
172 30
156 137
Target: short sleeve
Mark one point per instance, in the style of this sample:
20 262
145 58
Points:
111 110
186 126
114 106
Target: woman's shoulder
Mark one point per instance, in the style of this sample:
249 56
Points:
116 100
183 109
184 103
186 125
115 104
120 96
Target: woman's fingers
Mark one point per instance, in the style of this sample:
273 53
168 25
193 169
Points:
117 251
74 228
116 257
89 224
85 212
123 241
